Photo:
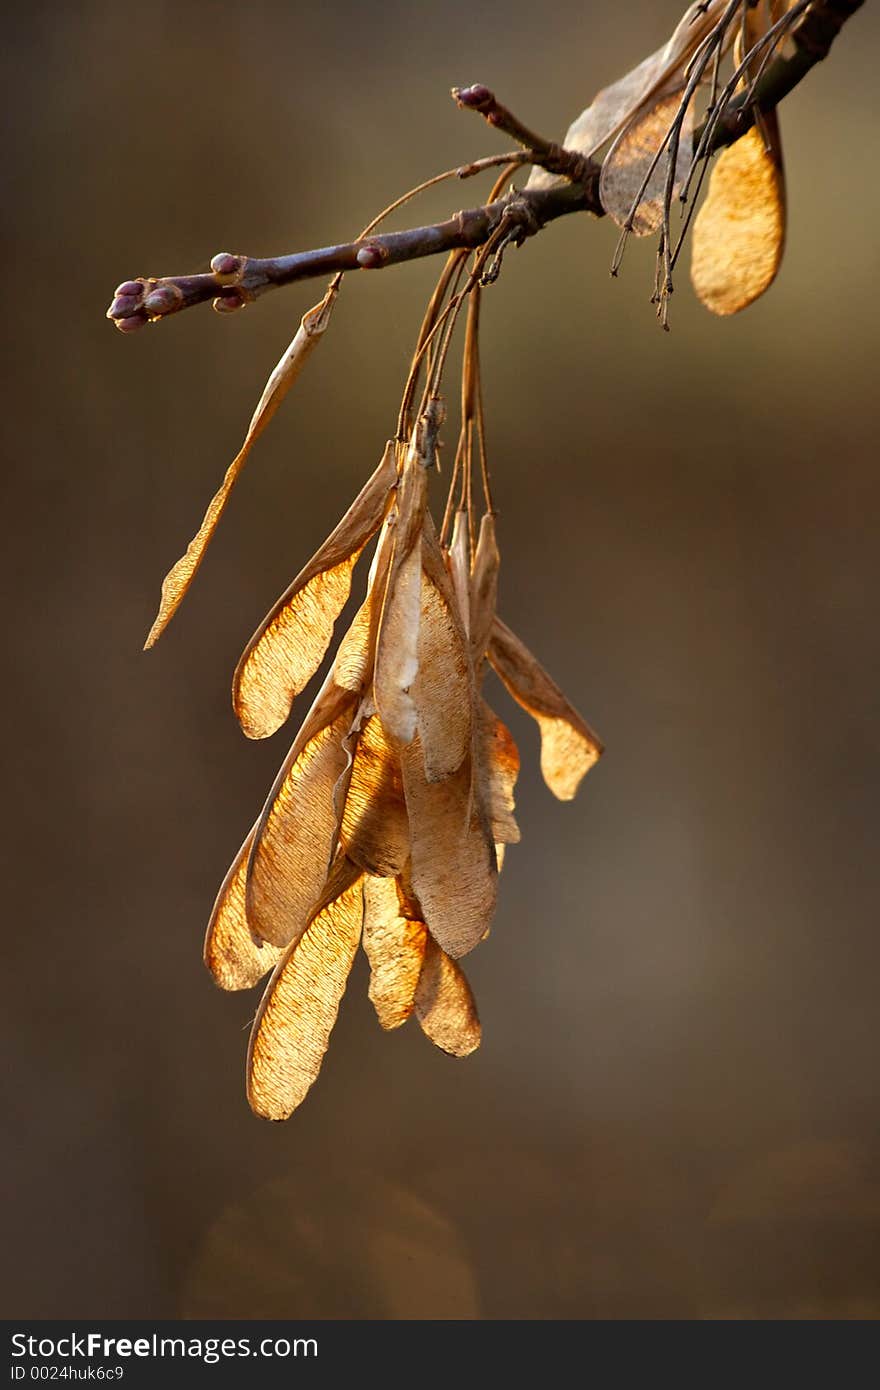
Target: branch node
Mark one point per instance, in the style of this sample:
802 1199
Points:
227 268
232 299
132 324
164 299
475 98
371 256
235 279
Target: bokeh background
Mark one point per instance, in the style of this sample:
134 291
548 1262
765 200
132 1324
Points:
674 1112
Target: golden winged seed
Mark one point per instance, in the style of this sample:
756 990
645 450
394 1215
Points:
292 1028
626 166
397 658
460 566
179 578
454 872
395 947
739 232
356 654
442 690
498 769
615 106
444 1004
483 588
289 645
569 748
296 830
375 830
233 957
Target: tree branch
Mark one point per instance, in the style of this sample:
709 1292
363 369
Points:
237 280
553 157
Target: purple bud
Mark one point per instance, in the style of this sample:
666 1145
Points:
123 306
226 303
131 325
162 300
371 257
228 268
475 96
135 287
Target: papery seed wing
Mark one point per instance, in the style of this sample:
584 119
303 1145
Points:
181 575
498 769
569 748
296 831
375 829
356 654
234 959
397 654
395 947
445 1005
454 872
443 688
460 567
614 107
292 1028
610 109
290 643
484 588
739 233
628 162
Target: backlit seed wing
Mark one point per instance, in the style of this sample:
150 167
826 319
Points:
289 645
460 567
615 106
397 654
484 588
569 748
292 1028
395 947
454 871
295 834
739 232
443 687
231 954
444 1004
610 110
627 163
180 576
356 654
498 769
375 830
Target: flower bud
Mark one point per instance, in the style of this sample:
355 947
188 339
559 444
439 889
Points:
228 303
473 97
162 300
228 269
371 257
132 324
123 306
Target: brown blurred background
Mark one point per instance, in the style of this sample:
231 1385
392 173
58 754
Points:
674 1112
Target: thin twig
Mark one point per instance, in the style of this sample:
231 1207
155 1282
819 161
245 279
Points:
239 279
555 158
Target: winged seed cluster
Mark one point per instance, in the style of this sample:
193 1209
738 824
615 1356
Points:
389 818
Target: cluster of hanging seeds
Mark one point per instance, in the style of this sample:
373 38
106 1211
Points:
388 821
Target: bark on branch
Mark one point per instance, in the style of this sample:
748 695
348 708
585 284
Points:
235 280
